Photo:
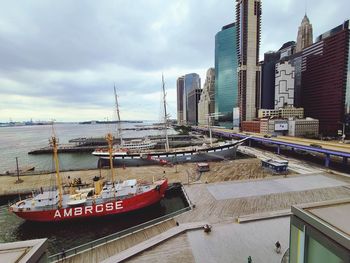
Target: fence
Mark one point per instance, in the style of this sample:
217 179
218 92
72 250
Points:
115 236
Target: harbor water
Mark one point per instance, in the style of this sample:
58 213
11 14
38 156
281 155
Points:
18 141
65 235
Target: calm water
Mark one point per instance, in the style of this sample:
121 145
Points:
18 141
64 235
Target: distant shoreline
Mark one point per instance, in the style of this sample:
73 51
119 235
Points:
21 124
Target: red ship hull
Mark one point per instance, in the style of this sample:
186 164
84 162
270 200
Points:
97 210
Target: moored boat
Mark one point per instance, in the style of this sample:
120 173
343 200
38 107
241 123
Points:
111 198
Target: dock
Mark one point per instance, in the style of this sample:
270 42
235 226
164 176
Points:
247 206
240 224
244 214
185 173
88 145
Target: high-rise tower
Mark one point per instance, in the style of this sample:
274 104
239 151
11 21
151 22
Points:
192 85
226 87
325 81
248 15
206 104
304 38
180 99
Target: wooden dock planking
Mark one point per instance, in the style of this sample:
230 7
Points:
104 251
154 241
208 208
174 250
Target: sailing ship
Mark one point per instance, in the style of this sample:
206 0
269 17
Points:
123 156
111 198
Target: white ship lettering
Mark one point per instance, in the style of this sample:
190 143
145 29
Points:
78 211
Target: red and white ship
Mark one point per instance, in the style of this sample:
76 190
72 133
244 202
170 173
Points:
101 200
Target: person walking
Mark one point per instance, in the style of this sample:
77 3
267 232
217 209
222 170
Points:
250 259
278 247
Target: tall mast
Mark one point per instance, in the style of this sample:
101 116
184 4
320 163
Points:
109 139
118 116
53 143
165 116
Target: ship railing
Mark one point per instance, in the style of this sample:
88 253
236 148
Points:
104 240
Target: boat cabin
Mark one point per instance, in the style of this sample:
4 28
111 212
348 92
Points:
125 188
46 198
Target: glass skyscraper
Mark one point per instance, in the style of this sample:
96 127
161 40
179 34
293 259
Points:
192 82
226 85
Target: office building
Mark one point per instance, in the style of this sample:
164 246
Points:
274 126
206 104
251 126
192 82
192 106
319 233
296 61
226 85
180 95
268 79
325 79
248 17
291 112
304 38
285 112
284 84
303 127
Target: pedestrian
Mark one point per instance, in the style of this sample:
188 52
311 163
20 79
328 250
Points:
278 247
250 259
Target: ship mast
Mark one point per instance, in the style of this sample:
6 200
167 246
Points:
53 143
118 116
165 116
109 139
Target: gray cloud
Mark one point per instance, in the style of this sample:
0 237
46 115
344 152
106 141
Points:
63 57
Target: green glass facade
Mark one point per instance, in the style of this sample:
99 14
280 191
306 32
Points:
226 84
307 244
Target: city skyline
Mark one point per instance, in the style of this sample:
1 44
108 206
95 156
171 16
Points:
61 60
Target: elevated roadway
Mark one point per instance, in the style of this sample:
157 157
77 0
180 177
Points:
293 143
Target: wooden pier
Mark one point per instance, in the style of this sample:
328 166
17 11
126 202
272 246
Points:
228 241
105 251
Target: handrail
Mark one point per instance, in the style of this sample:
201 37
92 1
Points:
186 196
112 237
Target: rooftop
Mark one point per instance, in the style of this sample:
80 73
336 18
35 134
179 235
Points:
331 218
24 251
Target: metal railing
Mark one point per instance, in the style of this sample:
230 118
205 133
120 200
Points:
104 240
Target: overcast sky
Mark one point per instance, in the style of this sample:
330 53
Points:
60 59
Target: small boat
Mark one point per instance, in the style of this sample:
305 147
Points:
111 198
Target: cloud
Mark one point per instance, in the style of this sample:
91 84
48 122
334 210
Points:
61 59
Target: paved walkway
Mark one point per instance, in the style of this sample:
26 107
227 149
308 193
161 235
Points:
132 251
235 242
265 187
294 165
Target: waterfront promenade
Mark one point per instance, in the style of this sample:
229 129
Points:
223 203
232 191
185 173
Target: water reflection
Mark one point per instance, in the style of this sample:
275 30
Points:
65 235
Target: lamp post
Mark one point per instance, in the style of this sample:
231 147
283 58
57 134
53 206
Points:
343 134
209 116
18 179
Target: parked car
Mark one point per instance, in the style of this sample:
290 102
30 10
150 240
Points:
315 145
